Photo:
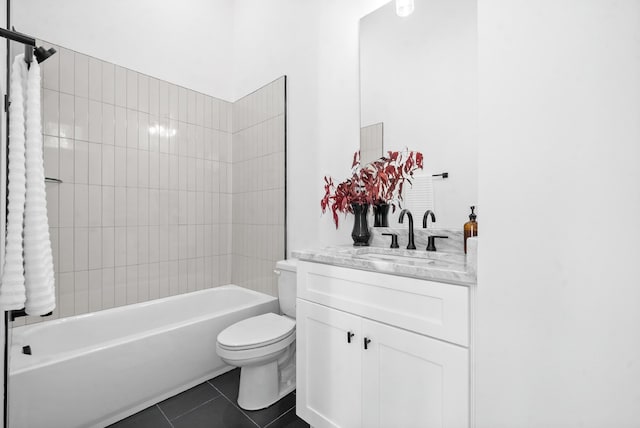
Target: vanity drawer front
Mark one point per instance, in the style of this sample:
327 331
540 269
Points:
426 307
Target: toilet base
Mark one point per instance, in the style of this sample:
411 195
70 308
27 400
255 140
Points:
263 385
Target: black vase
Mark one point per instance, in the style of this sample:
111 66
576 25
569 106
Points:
360 232
381 215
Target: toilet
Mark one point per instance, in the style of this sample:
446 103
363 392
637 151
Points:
264 347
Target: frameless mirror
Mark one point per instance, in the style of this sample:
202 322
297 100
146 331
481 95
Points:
418 90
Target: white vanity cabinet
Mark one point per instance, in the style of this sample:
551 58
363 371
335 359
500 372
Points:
412 372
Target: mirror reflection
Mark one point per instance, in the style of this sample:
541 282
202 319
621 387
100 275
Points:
418 90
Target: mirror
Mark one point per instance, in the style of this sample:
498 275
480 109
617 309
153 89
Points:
418 90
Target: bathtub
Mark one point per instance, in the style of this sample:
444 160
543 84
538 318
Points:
95 369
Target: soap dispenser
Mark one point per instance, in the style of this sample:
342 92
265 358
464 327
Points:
470 228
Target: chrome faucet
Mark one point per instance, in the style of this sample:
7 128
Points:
411 245
425 218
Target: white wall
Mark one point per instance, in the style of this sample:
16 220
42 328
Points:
558 293
316 44
185 42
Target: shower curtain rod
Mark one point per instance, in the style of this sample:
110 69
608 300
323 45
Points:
18 37
30 45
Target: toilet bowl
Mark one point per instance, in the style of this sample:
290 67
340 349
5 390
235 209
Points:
264 348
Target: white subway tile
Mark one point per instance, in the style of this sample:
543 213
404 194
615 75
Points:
81 248
81 76
95 206
154 207
143 207
107 167
108 288
143 244
163 171
95 79
143 131
183 276
163 282
154 170
192 242
182 104
132 167
163 99
154 97
120 286
120 166
163 243
51 71
143 283
50 112
94 162
66 302
53 204
154 281
81 118
132 284
95 121
154 250
174 111
143 93
108 247
154 133
132 245
120 245
95 248
67 70
120 126
108 83
81 205
120 206
132 206
66 249
174 278
132 90
66 116
183 242
132 129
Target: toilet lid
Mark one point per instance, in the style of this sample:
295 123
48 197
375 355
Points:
254 332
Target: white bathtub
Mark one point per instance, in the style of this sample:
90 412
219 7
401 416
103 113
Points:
95 369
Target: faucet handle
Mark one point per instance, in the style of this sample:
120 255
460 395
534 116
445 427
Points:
394 239
431 242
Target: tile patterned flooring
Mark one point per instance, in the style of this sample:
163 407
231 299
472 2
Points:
214 404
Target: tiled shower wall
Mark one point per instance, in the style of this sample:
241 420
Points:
144 210
259 186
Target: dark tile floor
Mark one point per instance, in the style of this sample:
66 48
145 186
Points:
214 404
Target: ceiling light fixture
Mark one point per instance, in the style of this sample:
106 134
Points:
404 7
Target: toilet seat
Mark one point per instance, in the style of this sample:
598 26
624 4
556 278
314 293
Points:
257 332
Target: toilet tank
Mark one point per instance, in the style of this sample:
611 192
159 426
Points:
286 271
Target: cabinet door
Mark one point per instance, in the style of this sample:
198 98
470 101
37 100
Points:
411 381
328 367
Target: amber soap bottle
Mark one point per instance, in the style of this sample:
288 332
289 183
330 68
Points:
470 228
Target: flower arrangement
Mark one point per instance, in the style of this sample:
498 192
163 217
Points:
379 182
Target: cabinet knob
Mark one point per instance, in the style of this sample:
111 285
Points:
349 336
367 341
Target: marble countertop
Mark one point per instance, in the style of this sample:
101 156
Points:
434 266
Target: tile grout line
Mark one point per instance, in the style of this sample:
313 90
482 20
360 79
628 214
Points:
234 404
165 416
197 407
270 423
